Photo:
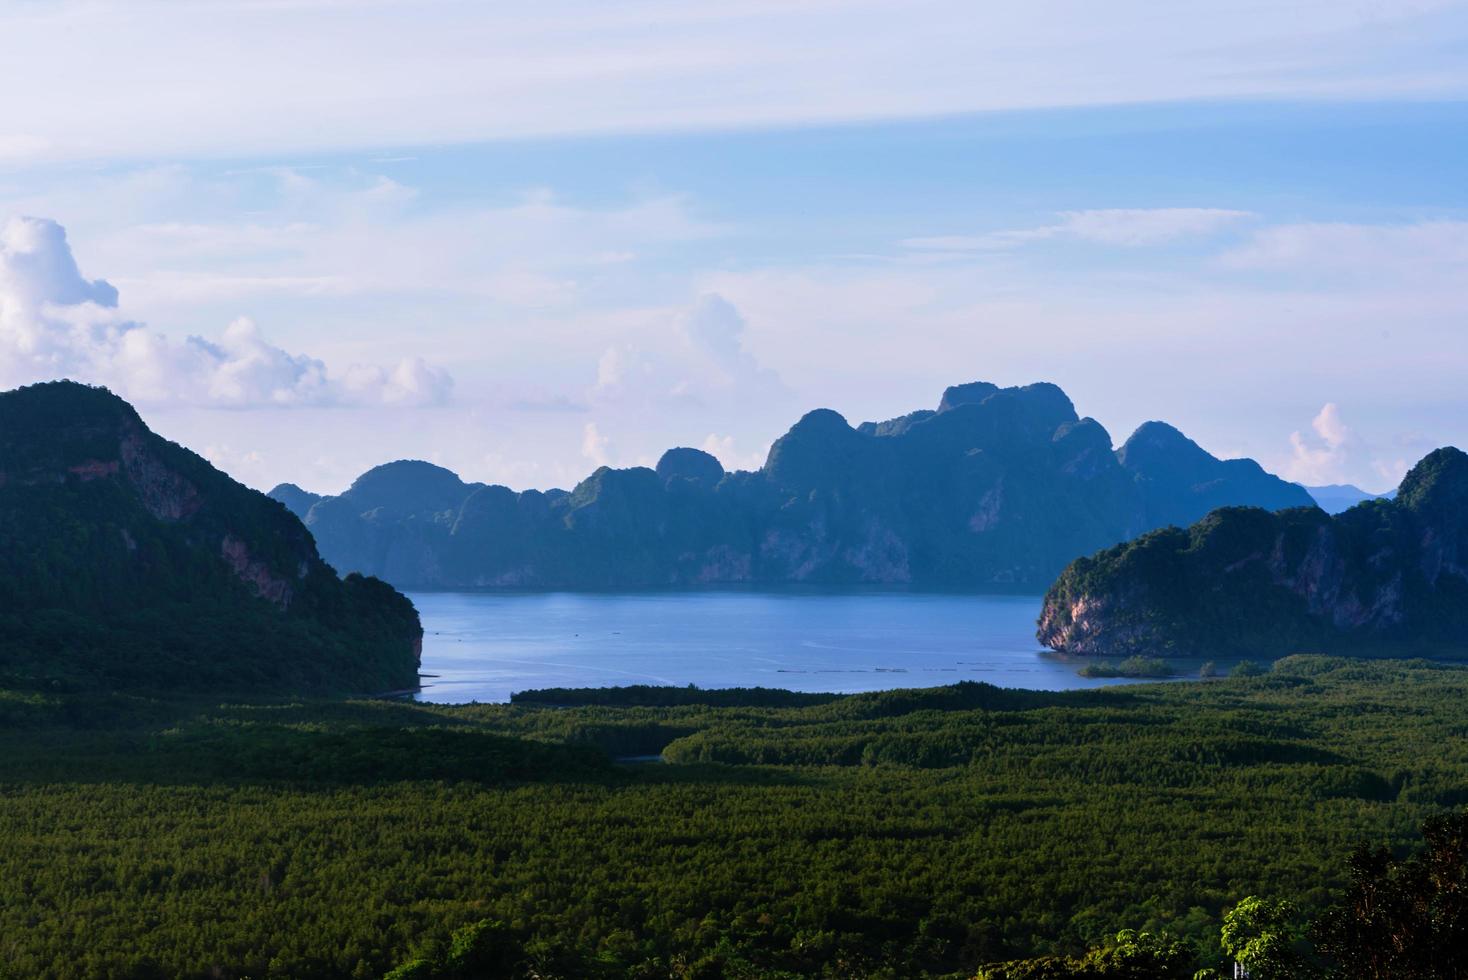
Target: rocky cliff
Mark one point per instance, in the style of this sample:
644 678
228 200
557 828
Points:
1384 576
130 561
996 488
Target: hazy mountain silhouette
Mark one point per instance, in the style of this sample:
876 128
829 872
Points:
997 488
1336 497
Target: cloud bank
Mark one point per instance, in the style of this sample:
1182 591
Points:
55 323
419 74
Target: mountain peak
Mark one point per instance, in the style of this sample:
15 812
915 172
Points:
296 500
690 464
1439 479
965 394
61 404
408 484
1155 439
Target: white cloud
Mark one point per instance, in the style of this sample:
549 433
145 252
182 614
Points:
1336 453
723 448
595 446
611 368
36 268
1127 227
1146 226
274 234
403 74
1323 458
1359 251
412 382
715 330
714 326
701 361
55 323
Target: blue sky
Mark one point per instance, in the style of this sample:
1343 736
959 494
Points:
529 241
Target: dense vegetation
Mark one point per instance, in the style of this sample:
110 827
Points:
1400 919
1387 577
899 834
1133 666
997 487
130 562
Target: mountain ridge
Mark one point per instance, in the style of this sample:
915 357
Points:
995 488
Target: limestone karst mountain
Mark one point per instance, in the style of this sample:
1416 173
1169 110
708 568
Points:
1386 576
996 488
131 562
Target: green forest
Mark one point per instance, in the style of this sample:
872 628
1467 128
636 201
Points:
940 832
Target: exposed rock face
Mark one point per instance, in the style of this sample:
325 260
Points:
149 567
998 488
255 574
1384 576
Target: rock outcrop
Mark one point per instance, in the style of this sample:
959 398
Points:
996 488
1386 576
131 562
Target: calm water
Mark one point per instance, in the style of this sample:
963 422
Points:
483 647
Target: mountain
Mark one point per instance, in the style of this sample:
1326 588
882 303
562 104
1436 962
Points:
995 488
1180 481
1384 576
131 562
1336 497
296 500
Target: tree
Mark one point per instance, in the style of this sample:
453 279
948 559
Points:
1405 919
1264 937
1133 954
480 949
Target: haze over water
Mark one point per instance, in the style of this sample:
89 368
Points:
484 647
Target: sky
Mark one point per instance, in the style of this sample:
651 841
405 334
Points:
306 237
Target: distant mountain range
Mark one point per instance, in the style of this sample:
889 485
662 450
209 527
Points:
1386 576
130 562
995 488
1334 498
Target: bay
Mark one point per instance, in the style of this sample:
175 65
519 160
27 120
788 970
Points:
482 647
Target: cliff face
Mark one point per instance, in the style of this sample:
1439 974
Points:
997 488
131 561
1384 576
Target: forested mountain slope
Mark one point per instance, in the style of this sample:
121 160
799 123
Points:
1386 576
130 561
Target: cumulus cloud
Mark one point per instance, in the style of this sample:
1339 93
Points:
704 361
723 449
715 330
1323 457
595 446
56 323
1126 227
